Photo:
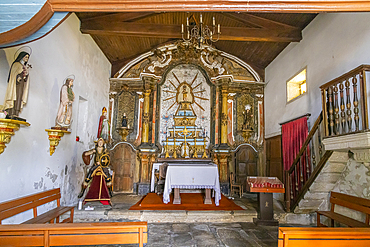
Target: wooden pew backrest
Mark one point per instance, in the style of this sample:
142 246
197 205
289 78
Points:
17 206
323 237
74 234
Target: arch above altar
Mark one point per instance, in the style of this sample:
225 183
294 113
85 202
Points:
185 101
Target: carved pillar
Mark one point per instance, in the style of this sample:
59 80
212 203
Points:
224 119
145 130
147 150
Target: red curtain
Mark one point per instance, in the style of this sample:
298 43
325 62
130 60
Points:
294 134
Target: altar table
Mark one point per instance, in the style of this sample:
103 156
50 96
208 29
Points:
192 177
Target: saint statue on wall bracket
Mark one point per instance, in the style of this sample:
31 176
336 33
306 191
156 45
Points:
18 83
64 115
103 129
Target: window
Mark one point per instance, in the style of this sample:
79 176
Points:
297 85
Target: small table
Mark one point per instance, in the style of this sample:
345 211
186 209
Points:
192 176
265 186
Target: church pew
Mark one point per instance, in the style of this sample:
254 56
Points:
20 205
323 237
74 234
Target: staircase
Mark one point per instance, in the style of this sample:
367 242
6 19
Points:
317 197
315 171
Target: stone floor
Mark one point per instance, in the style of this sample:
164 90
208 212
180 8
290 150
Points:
211 234
205 228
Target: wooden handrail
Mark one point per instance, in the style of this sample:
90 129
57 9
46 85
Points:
344 103
293 197
311 179
346 75
305 144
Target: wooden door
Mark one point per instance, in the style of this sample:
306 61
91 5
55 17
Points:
123 160
246 164
274 161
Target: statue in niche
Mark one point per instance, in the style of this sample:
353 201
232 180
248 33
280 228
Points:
124 121
103 129
247 118
18 83
64 116
99 175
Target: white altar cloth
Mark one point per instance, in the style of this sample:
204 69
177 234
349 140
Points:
192 177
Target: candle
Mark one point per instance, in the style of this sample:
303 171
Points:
187 21
200 18
182 28
214 21
218 28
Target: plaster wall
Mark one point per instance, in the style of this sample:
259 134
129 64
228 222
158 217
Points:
26 164
332 44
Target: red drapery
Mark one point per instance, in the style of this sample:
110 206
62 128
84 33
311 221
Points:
294 134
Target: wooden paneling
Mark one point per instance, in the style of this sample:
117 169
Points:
123 163
246 165
274 161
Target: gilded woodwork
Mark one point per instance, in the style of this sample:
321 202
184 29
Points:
125 103
55 136
7 130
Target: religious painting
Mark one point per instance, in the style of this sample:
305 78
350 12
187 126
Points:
185 103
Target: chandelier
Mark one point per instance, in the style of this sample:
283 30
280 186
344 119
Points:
200 33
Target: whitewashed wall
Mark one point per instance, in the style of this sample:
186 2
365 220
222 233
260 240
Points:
26 164
332 45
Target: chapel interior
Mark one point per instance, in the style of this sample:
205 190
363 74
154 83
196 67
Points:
130 113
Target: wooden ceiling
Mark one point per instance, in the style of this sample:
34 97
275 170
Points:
255 38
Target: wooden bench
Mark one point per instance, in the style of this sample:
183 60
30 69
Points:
74 234
14 207
323 237
352 202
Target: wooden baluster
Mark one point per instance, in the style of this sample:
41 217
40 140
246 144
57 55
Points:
342 108
296 178
313 153
355 103
331 110
363 100
336 110
308 168
291 177
349 112
320 141
301 172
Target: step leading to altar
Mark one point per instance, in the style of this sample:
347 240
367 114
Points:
122 202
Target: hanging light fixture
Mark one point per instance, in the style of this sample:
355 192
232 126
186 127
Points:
201 33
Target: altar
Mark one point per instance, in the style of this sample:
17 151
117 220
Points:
192 176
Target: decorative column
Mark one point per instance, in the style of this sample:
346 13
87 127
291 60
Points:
145 130
146 147
224 118
223 149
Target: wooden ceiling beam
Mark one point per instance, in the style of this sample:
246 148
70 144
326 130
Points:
282 6
174 31
113 17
